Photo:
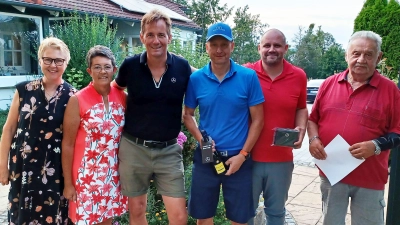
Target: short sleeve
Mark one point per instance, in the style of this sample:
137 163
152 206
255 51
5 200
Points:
121 78
255 93
302 103
314 115
190 96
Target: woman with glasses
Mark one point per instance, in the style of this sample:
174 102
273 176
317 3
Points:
31 141
93 123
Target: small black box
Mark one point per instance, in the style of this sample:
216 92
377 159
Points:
285 137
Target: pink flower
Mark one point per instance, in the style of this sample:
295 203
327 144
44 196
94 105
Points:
181 138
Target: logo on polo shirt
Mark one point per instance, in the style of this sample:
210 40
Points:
173 80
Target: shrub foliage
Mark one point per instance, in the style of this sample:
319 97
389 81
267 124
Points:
80 33
383 17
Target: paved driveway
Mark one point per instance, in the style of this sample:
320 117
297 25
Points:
302 156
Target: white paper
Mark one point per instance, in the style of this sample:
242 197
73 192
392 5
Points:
339 161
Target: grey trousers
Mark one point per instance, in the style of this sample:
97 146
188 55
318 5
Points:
366 204
273 180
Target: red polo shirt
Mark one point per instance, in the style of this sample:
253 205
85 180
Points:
369 112
283 96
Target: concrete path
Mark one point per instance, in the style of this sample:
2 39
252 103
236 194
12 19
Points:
3 203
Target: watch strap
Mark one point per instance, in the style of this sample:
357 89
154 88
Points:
313 138
377 148
245 154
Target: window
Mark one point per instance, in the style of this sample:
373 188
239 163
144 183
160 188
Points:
128 43
12 50
187 44
136 42
19 38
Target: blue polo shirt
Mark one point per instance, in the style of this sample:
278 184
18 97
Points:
224 106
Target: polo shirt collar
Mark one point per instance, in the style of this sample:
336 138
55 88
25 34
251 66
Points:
287 69
374 81
232 71
143 58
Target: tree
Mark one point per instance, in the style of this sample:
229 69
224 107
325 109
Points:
290 54
307 52
206 12
383 18
371 16
317 53
247 32
333 61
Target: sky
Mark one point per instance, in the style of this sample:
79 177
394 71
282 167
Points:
334 16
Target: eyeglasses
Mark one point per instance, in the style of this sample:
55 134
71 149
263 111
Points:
107 68
49 61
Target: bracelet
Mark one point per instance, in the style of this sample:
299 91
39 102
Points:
312 139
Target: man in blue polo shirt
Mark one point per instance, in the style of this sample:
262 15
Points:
230 100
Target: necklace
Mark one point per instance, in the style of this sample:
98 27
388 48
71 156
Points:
157 84
49 96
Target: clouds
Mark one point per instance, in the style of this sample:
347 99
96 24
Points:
335 16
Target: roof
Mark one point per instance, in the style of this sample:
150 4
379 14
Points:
100 7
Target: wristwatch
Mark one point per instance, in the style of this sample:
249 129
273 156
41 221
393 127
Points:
312 139
245 154
377 148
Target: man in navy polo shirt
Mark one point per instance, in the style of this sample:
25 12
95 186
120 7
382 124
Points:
156 82
230 100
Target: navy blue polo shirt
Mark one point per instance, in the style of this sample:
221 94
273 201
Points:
153 113
224 106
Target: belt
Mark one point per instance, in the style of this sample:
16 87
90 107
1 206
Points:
151 143
228 153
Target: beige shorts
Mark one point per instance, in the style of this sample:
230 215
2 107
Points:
139 165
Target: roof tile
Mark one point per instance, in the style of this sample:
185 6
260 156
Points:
111 9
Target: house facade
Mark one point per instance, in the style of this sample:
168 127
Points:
22 21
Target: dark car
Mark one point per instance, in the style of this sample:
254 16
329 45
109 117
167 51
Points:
312 88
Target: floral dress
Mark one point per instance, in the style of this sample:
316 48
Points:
95 165
35 196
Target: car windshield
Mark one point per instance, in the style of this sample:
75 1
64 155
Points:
315 83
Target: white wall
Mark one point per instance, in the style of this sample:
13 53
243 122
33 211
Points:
186 35
7 88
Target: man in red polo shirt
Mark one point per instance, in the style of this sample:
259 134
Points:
363 107
285 91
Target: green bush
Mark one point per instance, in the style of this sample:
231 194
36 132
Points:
80 33
75 78
3 118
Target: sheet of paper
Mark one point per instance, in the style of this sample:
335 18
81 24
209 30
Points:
339 162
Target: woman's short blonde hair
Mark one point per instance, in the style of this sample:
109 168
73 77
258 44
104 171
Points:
54 43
